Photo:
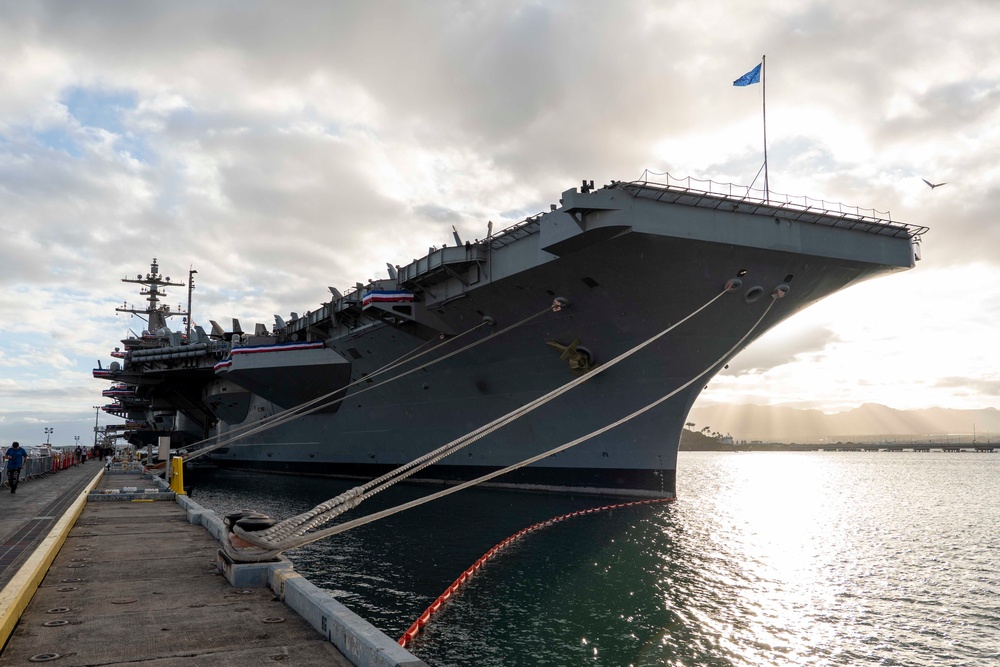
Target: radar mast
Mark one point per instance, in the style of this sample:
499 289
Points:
156 315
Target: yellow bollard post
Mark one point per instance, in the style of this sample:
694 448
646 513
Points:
177 475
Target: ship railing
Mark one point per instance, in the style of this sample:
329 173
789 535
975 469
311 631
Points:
349 303
711 194
309 319
303 322
445 259
515 232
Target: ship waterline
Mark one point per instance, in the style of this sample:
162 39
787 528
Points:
622 263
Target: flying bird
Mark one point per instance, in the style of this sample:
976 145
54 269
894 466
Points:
932 185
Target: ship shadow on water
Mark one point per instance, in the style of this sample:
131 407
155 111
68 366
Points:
614 583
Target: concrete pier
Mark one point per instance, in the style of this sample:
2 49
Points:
138 581
30 514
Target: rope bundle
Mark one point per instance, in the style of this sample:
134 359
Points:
295 531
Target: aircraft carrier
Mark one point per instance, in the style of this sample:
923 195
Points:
397 367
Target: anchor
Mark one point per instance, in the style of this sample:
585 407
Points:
579 358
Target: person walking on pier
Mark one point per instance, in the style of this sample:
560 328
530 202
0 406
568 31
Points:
15 457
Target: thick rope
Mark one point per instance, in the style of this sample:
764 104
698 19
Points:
292 543
318 403
321 402
334 507
264 540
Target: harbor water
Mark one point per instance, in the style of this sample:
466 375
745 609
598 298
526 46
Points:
766 558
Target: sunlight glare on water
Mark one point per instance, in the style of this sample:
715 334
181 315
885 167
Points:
766 559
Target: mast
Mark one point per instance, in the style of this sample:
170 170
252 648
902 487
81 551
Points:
156 315
763 96
757 75
187 316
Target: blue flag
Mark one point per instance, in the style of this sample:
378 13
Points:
753 76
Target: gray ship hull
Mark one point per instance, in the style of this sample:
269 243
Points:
625 284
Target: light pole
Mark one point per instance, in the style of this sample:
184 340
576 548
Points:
48 433
77 438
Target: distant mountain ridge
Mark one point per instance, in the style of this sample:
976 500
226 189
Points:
868 421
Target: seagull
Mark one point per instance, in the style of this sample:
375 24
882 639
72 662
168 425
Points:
932 185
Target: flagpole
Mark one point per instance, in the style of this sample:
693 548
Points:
763 95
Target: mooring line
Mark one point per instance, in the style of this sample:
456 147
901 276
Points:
261 545
292 532
283 532
321 402
318 403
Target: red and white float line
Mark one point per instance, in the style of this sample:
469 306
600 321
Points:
425 617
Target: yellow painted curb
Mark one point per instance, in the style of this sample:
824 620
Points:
17 594
280 577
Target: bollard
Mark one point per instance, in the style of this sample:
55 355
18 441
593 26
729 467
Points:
177 475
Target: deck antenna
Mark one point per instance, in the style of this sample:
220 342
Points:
489 249
763 104
191 273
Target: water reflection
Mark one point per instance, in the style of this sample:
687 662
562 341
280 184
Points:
778 558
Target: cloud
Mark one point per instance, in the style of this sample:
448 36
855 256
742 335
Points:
780 347
978 385
278 151
437 212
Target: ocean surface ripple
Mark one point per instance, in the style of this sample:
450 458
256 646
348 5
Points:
775 558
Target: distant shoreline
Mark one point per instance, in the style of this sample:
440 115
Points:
844 447
693 441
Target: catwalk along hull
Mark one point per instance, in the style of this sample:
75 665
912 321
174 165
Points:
627 261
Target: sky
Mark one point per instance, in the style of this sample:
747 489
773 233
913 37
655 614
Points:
278 148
